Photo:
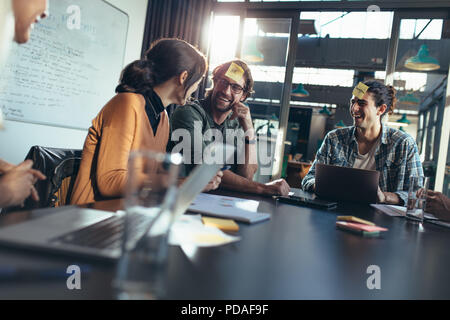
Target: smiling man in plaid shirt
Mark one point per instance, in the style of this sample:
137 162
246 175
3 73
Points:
371 145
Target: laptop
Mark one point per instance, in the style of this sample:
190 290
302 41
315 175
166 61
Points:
346 184
95 233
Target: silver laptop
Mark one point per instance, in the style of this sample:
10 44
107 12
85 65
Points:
346 184
96 233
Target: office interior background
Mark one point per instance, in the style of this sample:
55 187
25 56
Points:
306 57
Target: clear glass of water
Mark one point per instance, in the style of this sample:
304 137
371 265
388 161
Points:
417 196
149 200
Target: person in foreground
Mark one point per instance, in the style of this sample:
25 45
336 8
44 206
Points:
136 119
16 19
223 111
370 144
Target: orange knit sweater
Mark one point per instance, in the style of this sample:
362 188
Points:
120 127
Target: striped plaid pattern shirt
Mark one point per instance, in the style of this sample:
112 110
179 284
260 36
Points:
396 158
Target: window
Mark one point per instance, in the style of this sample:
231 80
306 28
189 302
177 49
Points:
423 28
351 24
225 37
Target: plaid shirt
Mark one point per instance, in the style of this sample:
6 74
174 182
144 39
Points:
396 158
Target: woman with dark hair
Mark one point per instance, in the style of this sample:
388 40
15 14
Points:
370 144
135 118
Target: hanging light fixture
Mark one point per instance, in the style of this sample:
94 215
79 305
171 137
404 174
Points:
300 91
251 52
409 99
422 61
402 122
325 111
295 127
340 124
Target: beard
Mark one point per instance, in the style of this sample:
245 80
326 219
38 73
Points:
223 109
220 105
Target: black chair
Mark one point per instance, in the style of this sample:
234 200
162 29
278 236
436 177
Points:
61 168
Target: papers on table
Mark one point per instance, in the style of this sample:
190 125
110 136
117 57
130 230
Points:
190 230
391 210
228 207
398 211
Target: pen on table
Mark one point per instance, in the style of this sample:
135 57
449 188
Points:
11 273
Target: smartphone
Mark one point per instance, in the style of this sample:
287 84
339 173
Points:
302 201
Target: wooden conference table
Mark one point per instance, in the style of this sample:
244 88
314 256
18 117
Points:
298 254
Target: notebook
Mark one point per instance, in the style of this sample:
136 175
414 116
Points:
228 207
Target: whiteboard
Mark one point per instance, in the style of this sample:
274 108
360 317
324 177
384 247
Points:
69 68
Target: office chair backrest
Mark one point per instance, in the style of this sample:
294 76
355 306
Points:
61 168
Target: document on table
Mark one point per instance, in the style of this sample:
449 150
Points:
398 211
228 207
390 210
190 230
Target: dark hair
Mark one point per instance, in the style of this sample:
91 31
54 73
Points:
220 70
135 77
382 94
165 59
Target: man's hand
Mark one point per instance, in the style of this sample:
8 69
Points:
438 204
388 197
278 187
214 183
17 184
381 197
242 113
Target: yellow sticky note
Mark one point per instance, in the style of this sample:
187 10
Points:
222 224
235 72
360 90
210 239
355 219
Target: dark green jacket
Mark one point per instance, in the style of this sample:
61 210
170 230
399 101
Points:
187 116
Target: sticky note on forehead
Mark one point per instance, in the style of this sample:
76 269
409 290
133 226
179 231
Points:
235 72
360 90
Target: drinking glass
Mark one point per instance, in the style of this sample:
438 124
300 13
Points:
417 196
149 200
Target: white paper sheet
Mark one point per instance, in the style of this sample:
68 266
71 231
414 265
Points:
398 211
189 230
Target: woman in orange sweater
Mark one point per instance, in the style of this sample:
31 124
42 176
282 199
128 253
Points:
135 118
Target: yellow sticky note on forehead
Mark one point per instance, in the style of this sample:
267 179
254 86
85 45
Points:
360 90
235 72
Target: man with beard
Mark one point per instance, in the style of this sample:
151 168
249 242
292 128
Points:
369 144
223 114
